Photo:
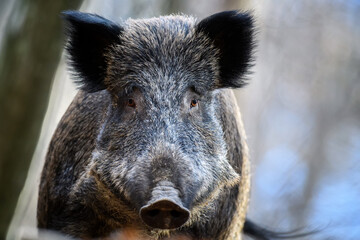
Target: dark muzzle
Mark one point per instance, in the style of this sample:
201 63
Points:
164 214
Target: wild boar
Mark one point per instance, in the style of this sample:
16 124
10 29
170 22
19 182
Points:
153 141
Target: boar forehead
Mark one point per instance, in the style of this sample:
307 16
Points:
163 54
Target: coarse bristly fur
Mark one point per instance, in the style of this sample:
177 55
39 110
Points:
153 120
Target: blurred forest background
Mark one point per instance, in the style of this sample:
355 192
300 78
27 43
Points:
301 110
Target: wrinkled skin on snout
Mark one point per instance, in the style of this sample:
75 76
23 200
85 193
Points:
152 142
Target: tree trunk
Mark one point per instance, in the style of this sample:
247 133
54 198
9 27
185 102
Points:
30 51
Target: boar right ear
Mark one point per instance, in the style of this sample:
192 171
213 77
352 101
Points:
89 38
232 34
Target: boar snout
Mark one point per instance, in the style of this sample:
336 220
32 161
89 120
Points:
164 214
165 210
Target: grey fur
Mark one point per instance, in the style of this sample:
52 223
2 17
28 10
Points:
107 155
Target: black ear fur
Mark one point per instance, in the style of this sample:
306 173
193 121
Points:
232 34
89 36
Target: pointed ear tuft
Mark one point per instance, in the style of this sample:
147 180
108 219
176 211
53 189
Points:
232 33
89 37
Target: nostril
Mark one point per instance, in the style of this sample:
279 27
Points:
175 214
164 214
153 213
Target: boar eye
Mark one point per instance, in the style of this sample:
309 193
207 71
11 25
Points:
131 103
194 103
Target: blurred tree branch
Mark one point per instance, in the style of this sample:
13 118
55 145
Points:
29 55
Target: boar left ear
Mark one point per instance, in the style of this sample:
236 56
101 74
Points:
232 33
89 38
